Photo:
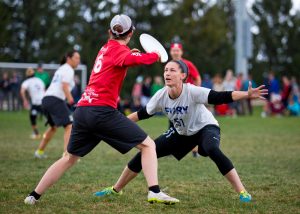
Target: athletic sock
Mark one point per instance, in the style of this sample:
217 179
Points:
35 195
154 189
36 132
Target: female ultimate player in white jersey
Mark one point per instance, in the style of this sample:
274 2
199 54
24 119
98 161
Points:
35 88
54 105
193 123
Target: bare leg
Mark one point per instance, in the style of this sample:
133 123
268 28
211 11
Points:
233 177
47 137
54 172
195 149
149 161
126 176
67 134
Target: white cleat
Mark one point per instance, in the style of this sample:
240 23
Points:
39 155
30 200
161 198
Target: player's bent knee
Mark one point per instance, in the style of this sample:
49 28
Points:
71 159
148 143
221 160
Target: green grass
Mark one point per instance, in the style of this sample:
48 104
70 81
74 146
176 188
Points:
266 153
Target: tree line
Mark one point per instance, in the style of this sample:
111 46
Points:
41 31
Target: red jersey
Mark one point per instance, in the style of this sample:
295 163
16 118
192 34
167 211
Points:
108 73
193 72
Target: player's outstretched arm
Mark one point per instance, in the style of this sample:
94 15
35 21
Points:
133 116
223 97
252 93
141 114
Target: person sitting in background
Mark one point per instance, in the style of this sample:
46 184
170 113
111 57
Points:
35 88
157 85
294 106
146 91
247 103
286 91
43 75
276 106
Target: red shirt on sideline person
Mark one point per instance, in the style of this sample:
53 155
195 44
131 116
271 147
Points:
176 52
109 71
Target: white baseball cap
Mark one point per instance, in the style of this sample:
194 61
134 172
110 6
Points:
124 21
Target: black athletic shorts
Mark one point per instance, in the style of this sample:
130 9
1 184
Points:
56 111
171 143
95 123
35 110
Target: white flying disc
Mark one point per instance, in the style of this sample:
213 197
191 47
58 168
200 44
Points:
150 44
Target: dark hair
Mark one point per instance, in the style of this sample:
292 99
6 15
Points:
119 29
184 68
69 54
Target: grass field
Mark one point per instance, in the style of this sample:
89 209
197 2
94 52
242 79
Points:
266 153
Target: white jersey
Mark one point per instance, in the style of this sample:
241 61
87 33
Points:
187 112
64 73
35 88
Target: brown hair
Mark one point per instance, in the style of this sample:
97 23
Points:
119 29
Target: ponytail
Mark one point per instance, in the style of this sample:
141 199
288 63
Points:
69 54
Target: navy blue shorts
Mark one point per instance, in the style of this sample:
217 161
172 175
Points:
95 123
56 111
172 143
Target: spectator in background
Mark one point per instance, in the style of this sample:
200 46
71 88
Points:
229 84
247 103
295 88
137 93
286 91
146 91
157 85
15 84
272 84
5 92
35 89
43 75
176 52
76 91
222 109
207 83
238 87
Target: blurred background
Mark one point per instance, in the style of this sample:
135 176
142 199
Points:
256 37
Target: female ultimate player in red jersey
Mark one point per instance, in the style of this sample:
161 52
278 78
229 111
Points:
194 125
96 117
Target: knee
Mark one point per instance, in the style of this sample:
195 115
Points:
147 144
53 129
70 159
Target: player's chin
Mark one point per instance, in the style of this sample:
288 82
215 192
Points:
168 82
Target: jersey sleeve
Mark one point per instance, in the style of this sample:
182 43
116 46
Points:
122 56
199 94
67 76
133 59
153 105
25 85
